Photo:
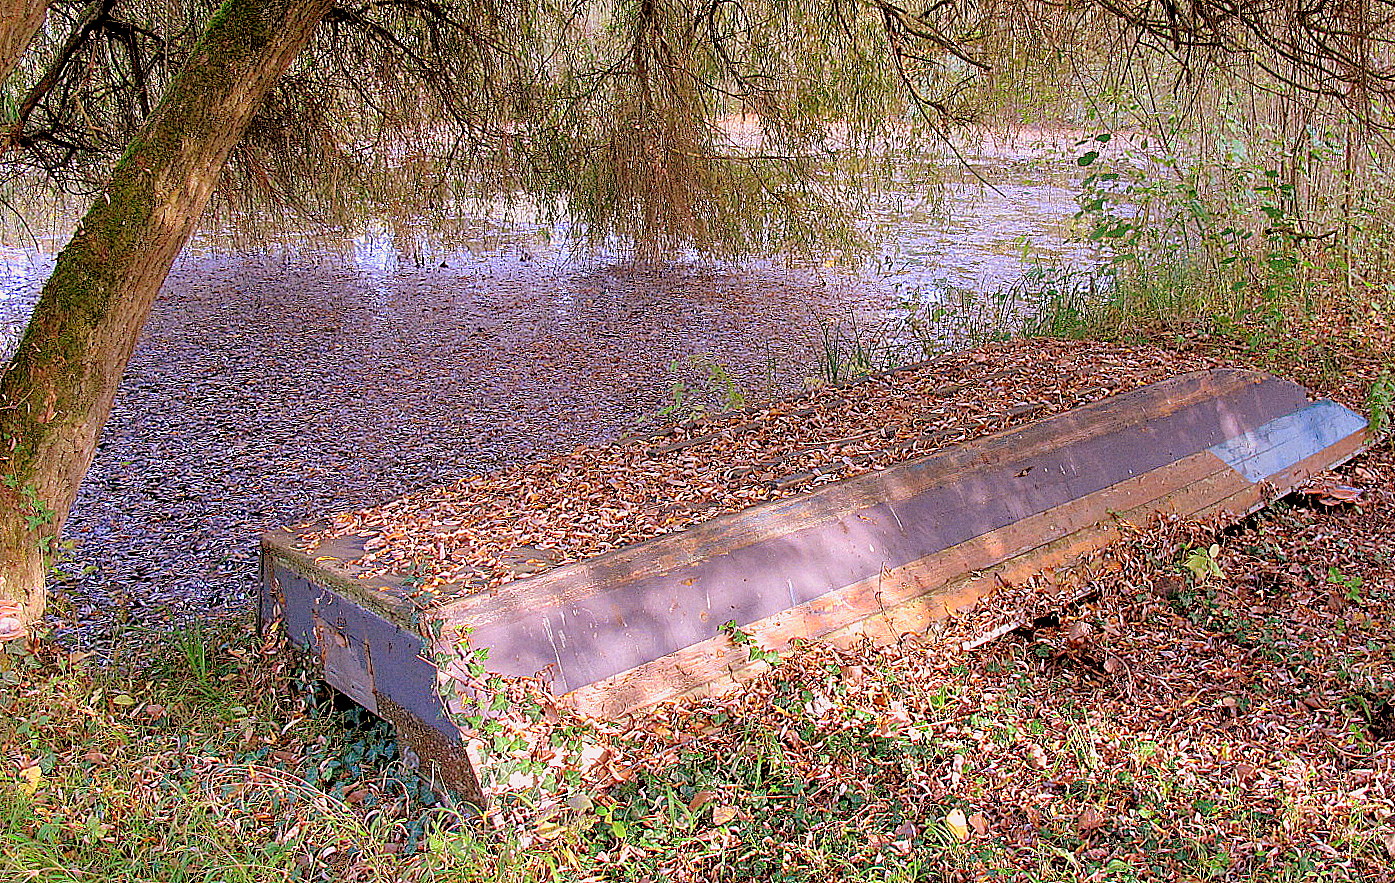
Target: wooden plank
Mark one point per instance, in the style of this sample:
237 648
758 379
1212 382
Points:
591 621
896 585
1194 500
1063 528
718 665
773 520
1222 494
1314 464
1269 449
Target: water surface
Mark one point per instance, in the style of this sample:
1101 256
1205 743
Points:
272 388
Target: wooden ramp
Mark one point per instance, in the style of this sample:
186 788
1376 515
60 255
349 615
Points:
875 556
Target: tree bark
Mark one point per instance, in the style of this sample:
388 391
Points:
58 389
19 21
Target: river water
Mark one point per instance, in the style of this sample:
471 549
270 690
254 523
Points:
273 388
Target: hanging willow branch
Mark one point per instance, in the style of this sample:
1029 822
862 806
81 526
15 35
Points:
726 126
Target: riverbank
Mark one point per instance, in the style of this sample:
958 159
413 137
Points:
1219 708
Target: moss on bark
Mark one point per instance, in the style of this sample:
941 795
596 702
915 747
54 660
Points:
58 389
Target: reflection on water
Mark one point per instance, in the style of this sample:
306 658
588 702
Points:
22 271
990 237
1009 211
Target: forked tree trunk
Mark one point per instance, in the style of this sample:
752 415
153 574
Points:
57 390
19 21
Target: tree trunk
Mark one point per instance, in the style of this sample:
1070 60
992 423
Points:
19 21
57 390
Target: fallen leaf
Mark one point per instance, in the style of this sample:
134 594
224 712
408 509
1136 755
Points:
30 776
905 838
581 802
1080 632
723 814
549 830
1328 492
978 823
1169 586
1089 820
1037 757
701 799
819 706
957 824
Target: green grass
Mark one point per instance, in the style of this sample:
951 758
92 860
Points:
211 760
201 764
210 757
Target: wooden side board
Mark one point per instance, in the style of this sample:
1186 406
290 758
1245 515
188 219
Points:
908 600
922 522
377 662
876 556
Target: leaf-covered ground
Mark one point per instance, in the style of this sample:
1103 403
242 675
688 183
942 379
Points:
1168 727
1212 705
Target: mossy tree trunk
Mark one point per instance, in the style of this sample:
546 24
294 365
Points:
58 389
19 21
